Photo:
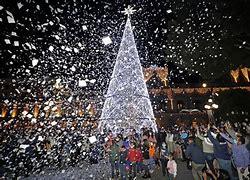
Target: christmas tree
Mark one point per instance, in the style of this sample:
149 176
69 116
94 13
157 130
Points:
127 103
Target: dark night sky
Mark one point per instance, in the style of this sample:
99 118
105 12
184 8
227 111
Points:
197 36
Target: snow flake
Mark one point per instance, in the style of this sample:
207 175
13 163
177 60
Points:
169 11
34 62
82 83
10 17
16 43
84 27
106 40
7 41
51 48
76 50
19 5
92 139
73 68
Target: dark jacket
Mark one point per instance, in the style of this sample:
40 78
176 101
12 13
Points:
145 151
221 150
195 154
114 153
123 156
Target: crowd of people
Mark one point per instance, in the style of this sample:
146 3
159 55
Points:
210 152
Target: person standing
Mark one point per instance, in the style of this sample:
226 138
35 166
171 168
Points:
132 159
163 158
113 158
152 156
208 150
171 167
221 152
122 162
170 141
194 153
139 161
146 158
241 158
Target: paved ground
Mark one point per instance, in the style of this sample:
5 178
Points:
182 173
101 171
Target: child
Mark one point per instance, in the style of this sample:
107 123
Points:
171 167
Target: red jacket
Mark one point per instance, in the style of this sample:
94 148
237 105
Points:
139 155
132 155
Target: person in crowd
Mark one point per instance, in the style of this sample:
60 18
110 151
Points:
240 154
171 167
170 141
241 158
194 153
151 156
126 142
161 136
113 158
151 137
163 158
135 135
221 150
132 160
139 161
207 147
146 158
123 162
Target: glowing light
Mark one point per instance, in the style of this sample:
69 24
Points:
215 106
207 107
210 100
129 10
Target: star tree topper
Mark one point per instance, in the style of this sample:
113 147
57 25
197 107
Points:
128 11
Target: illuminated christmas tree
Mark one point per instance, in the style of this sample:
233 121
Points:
127 103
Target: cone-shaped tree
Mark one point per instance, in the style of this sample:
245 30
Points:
127 103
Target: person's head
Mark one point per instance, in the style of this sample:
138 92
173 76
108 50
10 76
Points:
145 141
132 145
117 139
222 128
171 156
190 140
240 140
123 148
220 138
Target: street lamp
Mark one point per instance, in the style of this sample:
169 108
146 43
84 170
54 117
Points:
204 85
210 107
